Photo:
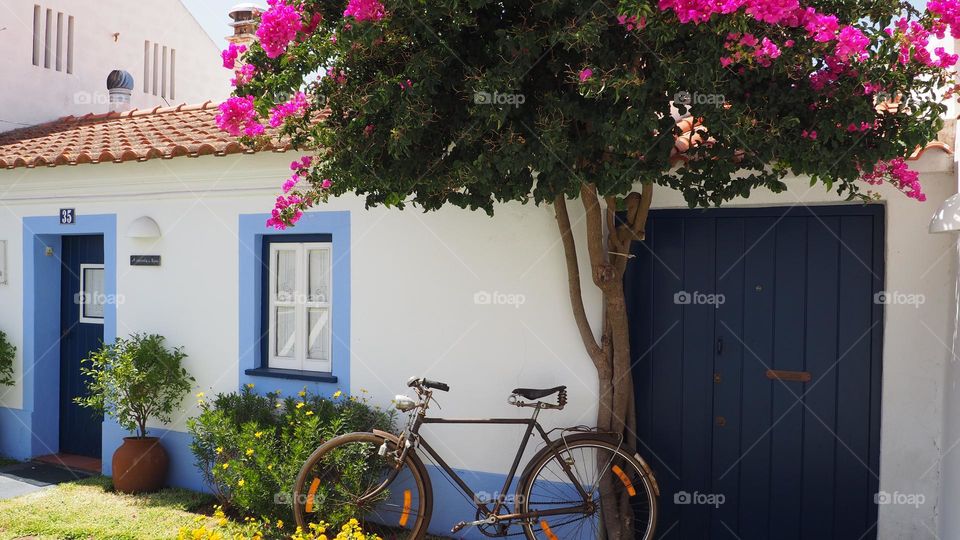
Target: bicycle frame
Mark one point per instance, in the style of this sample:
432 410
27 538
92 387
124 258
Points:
493 514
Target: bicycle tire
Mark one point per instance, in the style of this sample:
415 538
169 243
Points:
301 493
636 474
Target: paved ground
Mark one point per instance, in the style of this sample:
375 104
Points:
22 478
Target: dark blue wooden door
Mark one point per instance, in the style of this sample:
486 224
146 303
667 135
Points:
757 346
81 329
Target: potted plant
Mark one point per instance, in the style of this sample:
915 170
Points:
7 354
132 380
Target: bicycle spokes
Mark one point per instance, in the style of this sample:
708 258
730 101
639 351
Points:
352 481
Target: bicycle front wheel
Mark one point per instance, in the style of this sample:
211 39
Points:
346 478
621 493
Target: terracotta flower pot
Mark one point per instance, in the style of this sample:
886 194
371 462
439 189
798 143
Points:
140 465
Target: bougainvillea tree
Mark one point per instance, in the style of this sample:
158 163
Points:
475 103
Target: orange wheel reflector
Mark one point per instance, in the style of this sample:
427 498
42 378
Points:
547 531
313 491
407 498
626 480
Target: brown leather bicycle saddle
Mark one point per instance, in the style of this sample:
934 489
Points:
537 393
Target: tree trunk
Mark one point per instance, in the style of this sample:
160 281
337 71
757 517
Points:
611 354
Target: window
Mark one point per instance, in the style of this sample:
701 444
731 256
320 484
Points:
91 297
160 67
299 304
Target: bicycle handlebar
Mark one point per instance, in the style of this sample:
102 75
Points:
427 383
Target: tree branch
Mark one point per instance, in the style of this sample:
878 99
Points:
573 279
602 272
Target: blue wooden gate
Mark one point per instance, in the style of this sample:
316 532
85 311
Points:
81 323
757 337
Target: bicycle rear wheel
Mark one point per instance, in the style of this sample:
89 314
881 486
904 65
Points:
335 484
593 462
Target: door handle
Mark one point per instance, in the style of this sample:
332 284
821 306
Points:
794 376
719 346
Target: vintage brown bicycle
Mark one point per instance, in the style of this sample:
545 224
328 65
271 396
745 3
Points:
379 479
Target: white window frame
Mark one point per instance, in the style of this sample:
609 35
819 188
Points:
82 297
302 306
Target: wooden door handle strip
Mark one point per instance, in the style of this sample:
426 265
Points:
782 375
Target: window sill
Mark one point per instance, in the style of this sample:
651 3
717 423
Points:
279 373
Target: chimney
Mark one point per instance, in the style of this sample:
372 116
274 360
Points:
120 86
244 23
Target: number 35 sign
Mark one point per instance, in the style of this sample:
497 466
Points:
67 216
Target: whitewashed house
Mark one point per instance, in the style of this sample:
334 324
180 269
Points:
57 53
851 307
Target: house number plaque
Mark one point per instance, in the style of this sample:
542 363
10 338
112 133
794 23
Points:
144 260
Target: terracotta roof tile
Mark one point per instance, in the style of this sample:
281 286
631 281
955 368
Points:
191 130
137 135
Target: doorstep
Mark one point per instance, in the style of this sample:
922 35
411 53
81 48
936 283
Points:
71 461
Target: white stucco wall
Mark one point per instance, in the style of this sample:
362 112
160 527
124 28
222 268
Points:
414 277
30 94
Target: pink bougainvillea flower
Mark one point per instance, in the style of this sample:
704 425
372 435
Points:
899 175
298 104
364 10
279 26
231 54
326 183
244 75
290 183
585 74
851 44
238 116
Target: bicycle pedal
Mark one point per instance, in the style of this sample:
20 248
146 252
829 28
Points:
458 526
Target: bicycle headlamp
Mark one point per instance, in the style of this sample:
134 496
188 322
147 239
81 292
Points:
404 403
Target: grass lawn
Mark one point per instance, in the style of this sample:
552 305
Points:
91 509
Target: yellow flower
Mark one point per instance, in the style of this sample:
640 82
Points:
219 449
278 405
241 482
309 413
302 393
337 394
250 385
258 434
226 466
279 523
270 467
300 405
249 451
200 395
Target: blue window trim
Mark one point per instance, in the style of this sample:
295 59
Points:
255 239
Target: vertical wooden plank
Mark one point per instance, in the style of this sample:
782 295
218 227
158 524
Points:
727 368
823 250
758 317
666 445
853 473
786 467
697 416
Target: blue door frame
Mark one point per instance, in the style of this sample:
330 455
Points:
790 459
40 415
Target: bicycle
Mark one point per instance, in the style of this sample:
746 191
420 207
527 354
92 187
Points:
379 478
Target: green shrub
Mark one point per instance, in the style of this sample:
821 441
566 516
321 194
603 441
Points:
250 447
7 354
135 379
